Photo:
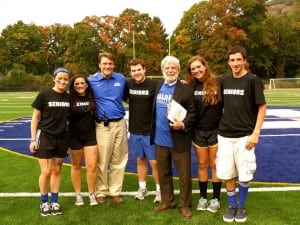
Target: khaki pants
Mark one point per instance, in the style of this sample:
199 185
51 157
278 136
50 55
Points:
112 159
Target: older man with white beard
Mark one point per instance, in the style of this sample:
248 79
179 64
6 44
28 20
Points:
173 139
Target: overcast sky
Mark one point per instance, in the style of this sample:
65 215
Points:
43 12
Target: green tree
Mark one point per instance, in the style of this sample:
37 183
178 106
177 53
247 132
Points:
208 29
187 38
281 35
56 46
139 36
251 18
83 47
22 44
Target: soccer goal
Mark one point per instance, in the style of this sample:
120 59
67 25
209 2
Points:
277 83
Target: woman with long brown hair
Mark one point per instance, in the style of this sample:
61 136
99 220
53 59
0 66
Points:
207 95
82 137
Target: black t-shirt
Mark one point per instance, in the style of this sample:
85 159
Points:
208 116
241 97
141 97
82 121
54 109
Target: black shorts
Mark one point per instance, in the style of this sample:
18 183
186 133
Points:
205 138
77 142
50 146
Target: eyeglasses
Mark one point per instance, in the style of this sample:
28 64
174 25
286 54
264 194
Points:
80 84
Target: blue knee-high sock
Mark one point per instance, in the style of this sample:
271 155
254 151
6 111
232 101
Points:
243 191
44 198
231 198
54 197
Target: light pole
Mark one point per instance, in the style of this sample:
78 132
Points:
170 45
133 45
171 35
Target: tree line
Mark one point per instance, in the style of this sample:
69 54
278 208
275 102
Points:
269 30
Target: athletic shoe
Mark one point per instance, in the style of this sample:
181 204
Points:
157 198
79 200
141 194
202 204
240 215
45 209
229 214
93 200
55 208
213 205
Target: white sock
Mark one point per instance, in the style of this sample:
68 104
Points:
157 187
142 184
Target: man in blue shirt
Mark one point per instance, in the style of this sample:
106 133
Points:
109 91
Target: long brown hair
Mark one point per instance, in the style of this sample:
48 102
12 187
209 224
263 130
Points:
211 85
88 93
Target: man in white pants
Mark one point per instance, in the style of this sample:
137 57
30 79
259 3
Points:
239 129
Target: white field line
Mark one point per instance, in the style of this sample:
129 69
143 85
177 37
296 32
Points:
72 194
279 135
14 139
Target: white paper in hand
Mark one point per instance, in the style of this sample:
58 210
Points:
175 111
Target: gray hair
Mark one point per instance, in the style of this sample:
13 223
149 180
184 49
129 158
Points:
170 59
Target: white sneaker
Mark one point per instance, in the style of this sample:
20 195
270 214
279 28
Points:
141 194
202 204
79 200
213 205
93 200
157 198
55 209
45 209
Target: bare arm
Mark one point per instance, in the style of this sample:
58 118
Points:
253 138
33 128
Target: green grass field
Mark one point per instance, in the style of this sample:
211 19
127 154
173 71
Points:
19 175
17 104
283 97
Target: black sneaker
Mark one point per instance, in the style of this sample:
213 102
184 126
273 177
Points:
229 214
45 209
240 215
55 208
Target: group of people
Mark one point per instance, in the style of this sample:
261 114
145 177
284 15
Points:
223 120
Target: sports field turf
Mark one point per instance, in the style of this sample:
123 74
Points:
19 174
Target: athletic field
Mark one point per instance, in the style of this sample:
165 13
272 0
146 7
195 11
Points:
279 138
272 196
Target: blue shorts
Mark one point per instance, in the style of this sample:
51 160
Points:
140 147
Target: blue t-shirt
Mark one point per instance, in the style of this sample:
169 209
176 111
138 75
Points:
109 95
162 135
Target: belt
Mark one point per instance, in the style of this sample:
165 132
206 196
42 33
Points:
99 120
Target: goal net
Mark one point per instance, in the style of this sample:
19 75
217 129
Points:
277 83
